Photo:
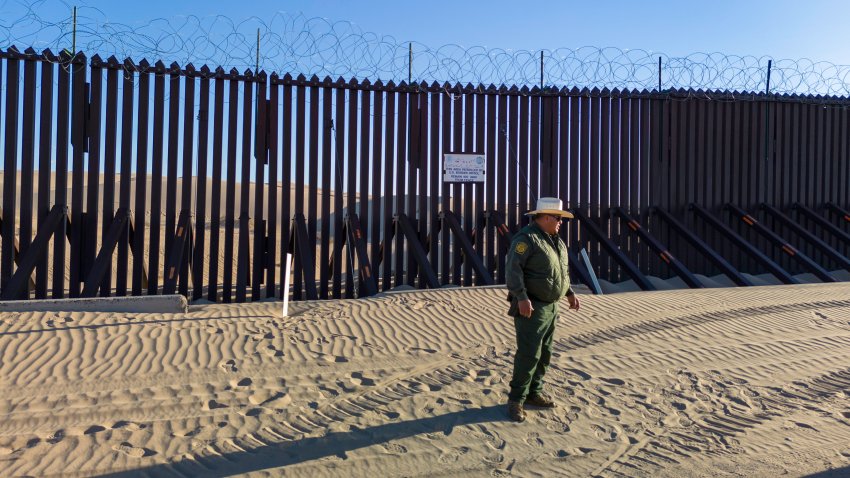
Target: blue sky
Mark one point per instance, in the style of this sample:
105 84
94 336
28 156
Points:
779 28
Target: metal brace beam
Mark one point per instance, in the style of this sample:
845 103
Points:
466 246
180 246
822 246
17 286
704 248
821 221
104 258
781 243
497 220
16 252
302 248
756 254
419 254
614 251
368 284
659 249
839 211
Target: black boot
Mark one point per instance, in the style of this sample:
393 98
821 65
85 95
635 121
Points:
516 412
540 400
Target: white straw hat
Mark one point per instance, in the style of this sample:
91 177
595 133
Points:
550 206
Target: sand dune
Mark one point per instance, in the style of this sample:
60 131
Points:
731 382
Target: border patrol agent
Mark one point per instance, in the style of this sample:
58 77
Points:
537 278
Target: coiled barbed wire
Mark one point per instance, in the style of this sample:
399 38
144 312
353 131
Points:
296 44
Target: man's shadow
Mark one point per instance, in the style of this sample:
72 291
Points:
307 449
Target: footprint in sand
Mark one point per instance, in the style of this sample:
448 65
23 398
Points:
327 393
394 448
683 421
598 407
790 425
583 451
581 375
461 399
735 381
347 386
330 358
433 387
245 382
453 456
602 391
357 378
298 340
344 337
558 424
561 454
272 351
703 397
417 387
613 381
132 451
493 440
228 366
262 336
506 471
604 433
212 405
745 404
132 426
749 393
278 400
58 322
85 430
55 437
534 440
186 432
417 305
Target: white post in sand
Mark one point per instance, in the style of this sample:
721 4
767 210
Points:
286 280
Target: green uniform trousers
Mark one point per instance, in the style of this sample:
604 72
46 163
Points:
534 349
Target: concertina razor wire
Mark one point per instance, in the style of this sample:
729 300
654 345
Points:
317 46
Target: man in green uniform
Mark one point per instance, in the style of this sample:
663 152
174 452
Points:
537 278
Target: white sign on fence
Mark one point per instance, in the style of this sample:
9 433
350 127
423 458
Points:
464 168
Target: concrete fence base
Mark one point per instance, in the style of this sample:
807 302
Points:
161 304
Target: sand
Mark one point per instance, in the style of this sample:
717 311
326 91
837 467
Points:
717 382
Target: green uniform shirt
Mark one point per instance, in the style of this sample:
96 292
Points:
537 266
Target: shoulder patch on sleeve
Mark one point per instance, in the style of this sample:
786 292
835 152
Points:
521 247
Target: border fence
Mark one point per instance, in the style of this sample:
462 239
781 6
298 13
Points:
136 178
